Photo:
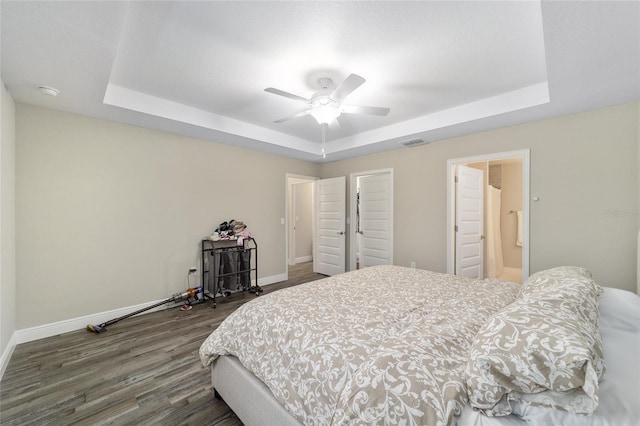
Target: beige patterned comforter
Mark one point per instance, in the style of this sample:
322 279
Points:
382 345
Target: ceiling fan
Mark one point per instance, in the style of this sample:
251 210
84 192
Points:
327 104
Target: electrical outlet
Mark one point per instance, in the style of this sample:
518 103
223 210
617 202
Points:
413 265
193 270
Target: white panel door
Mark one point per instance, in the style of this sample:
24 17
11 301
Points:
469 222
376 220
329 241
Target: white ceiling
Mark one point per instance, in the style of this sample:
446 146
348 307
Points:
443 68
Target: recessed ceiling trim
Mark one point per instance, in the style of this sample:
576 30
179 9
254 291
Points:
530 96
136 101
537 94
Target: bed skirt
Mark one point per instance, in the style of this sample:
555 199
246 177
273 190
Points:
248 397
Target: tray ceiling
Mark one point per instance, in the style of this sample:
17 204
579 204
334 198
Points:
443 68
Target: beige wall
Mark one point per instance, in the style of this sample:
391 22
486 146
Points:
111 215
583 167
7 219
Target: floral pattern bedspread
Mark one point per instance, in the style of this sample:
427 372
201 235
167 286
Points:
381 345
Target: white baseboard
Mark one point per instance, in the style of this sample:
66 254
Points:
304 259
79 323
273 279
6 354
73 324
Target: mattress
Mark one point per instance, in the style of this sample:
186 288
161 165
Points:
384 342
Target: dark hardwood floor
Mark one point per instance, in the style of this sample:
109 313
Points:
144 370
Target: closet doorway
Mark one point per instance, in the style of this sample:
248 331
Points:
299 223
488 228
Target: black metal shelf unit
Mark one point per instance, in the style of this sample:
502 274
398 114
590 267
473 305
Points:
228 267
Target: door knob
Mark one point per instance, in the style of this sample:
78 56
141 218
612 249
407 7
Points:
482 236
340 233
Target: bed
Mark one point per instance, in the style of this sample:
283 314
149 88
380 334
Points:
394 345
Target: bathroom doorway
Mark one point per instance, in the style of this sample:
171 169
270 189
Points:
501 236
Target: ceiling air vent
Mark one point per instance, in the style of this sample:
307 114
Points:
414 142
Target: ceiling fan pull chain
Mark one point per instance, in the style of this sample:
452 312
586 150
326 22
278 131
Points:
324 136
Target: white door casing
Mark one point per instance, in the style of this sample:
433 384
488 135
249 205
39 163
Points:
292 225
469 222
376 209
330 210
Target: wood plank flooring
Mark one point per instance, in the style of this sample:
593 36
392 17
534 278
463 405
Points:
144 370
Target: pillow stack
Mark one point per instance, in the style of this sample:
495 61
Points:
543 350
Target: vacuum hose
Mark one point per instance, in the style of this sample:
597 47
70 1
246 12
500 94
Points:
178 297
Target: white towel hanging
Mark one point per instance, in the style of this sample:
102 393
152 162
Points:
519 233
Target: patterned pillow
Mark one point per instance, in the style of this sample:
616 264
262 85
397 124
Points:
552 277
547 340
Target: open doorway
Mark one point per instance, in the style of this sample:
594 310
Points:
488 230
299 220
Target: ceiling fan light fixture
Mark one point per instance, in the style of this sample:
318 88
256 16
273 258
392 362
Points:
324 109
325 114
327 104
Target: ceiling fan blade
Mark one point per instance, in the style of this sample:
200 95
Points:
286 94
349 85
291 117
356 109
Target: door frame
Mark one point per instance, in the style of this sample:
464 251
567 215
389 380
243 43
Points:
525 155
288 183
353 199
